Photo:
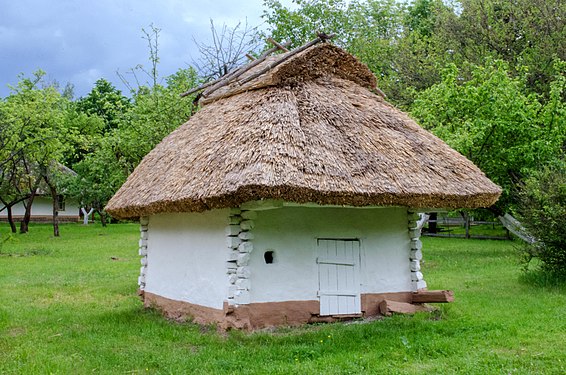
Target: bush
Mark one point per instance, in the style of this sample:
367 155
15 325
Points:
543 213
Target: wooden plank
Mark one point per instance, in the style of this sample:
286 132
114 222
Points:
278 45
335 292
322 37
336 260
387 307
226 79
433 296
514 226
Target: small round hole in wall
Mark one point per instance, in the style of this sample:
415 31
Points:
269 256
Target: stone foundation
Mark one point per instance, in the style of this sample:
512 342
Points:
267 314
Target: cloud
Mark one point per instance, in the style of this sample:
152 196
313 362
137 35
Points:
74 40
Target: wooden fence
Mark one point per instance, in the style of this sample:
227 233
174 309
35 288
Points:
464 227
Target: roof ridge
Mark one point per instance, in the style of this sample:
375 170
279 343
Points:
209 88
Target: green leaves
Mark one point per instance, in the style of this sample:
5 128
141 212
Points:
106 102
491 119
129 133
543 211
34 136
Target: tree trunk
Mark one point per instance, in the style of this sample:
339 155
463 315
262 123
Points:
11 219
55 202
102 215
8 207
86 215
24 224
55 211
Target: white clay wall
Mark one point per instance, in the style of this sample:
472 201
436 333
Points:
186 258
292 233
43 206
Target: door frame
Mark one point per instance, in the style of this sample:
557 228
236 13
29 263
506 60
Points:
356 263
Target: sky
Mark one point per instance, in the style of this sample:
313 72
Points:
80 41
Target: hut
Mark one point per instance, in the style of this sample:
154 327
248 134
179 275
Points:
291 197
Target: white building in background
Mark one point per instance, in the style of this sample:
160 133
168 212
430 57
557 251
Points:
42 210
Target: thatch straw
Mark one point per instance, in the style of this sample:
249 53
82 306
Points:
312 131
322 59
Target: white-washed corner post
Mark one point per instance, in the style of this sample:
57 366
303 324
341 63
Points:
144 225
239 238
415 253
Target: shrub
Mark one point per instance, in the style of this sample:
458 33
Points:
543 212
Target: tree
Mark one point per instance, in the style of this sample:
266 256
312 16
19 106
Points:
398 41
367 29
106 102
83 133
34 137
99 176
408 43
156 111
227 51
542 209
153 112
493 120
525 33
422 51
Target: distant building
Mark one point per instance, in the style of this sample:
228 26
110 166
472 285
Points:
42 210
42 206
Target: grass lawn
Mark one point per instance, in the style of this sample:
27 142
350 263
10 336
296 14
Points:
69 305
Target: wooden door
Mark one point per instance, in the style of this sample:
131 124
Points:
339 276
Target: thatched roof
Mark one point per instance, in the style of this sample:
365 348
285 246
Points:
309 130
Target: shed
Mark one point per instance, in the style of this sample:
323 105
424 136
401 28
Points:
291 197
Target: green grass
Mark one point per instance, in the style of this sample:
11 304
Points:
66 306
475 230
481 230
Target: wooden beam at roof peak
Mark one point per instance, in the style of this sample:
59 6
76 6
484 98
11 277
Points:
277 44
322 37
230 77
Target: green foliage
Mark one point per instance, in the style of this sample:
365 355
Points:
114 153
491 120
34 136
98 177
36 118
367 29
399 41
543 212
105 155
407 44
156 111
525 33
84 132
106 102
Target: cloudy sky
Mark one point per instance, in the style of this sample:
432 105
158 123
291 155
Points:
80 41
